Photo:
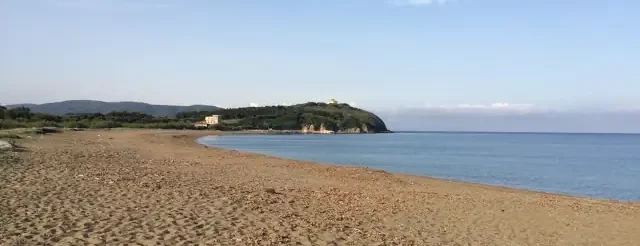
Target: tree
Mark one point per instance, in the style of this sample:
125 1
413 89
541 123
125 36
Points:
20 113
2 112
9 123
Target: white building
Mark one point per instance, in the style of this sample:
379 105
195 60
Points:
212 120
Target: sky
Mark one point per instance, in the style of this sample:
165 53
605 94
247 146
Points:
389 56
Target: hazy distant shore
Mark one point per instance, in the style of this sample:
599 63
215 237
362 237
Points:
149 186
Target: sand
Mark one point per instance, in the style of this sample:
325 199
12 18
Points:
160 188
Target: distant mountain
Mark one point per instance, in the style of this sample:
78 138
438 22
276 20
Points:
90 106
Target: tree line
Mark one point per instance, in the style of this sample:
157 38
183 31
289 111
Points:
335 117
22 117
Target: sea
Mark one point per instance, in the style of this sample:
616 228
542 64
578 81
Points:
603 166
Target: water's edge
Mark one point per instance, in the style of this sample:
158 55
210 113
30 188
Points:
442 179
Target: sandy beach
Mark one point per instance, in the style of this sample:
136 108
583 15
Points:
149 187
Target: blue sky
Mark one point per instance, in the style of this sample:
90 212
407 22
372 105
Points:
379 54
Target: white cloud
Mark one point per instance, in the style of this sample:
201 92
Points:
419 2
627 108
510 106
470 106
254 105
487 108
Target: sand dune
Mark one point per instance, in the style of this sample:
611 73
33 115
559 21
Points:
160 188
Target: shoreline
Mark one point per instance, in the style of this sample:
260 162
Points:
489 186
161 186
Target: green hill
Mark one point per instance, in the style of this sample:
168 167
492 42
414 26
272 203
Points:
309 116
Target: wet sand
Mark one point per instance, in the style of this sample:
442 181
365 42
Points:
160 188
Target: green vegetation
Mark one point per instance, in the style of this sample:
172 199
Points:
9 135
22 117
333 117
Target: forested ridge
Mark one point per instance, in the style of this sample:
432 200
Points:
317 116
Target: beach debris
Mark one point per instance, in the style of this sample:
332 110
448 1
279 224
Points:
45 130
271 191
4 145
80 175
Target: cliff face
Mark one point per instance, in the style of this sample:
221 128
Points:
341 118
311 129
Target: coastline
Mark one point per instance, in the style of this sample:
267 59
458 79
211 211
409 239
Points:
437 179
254 198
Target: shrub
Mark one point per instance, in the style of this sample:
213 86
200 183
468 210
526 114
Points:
9 124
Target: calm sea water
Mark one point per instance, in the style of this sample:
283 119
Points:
591 165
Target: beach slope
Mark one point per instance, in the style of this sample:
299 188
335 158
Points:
159 187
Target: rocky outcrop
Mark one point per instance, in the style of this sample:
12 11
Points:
351 130
5 146
310 129
363 129
324 130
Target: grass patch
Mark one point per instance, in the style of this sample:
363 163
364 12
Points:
20 133
9 135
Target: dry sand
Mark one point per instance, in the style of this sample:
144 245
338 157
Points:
160 188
